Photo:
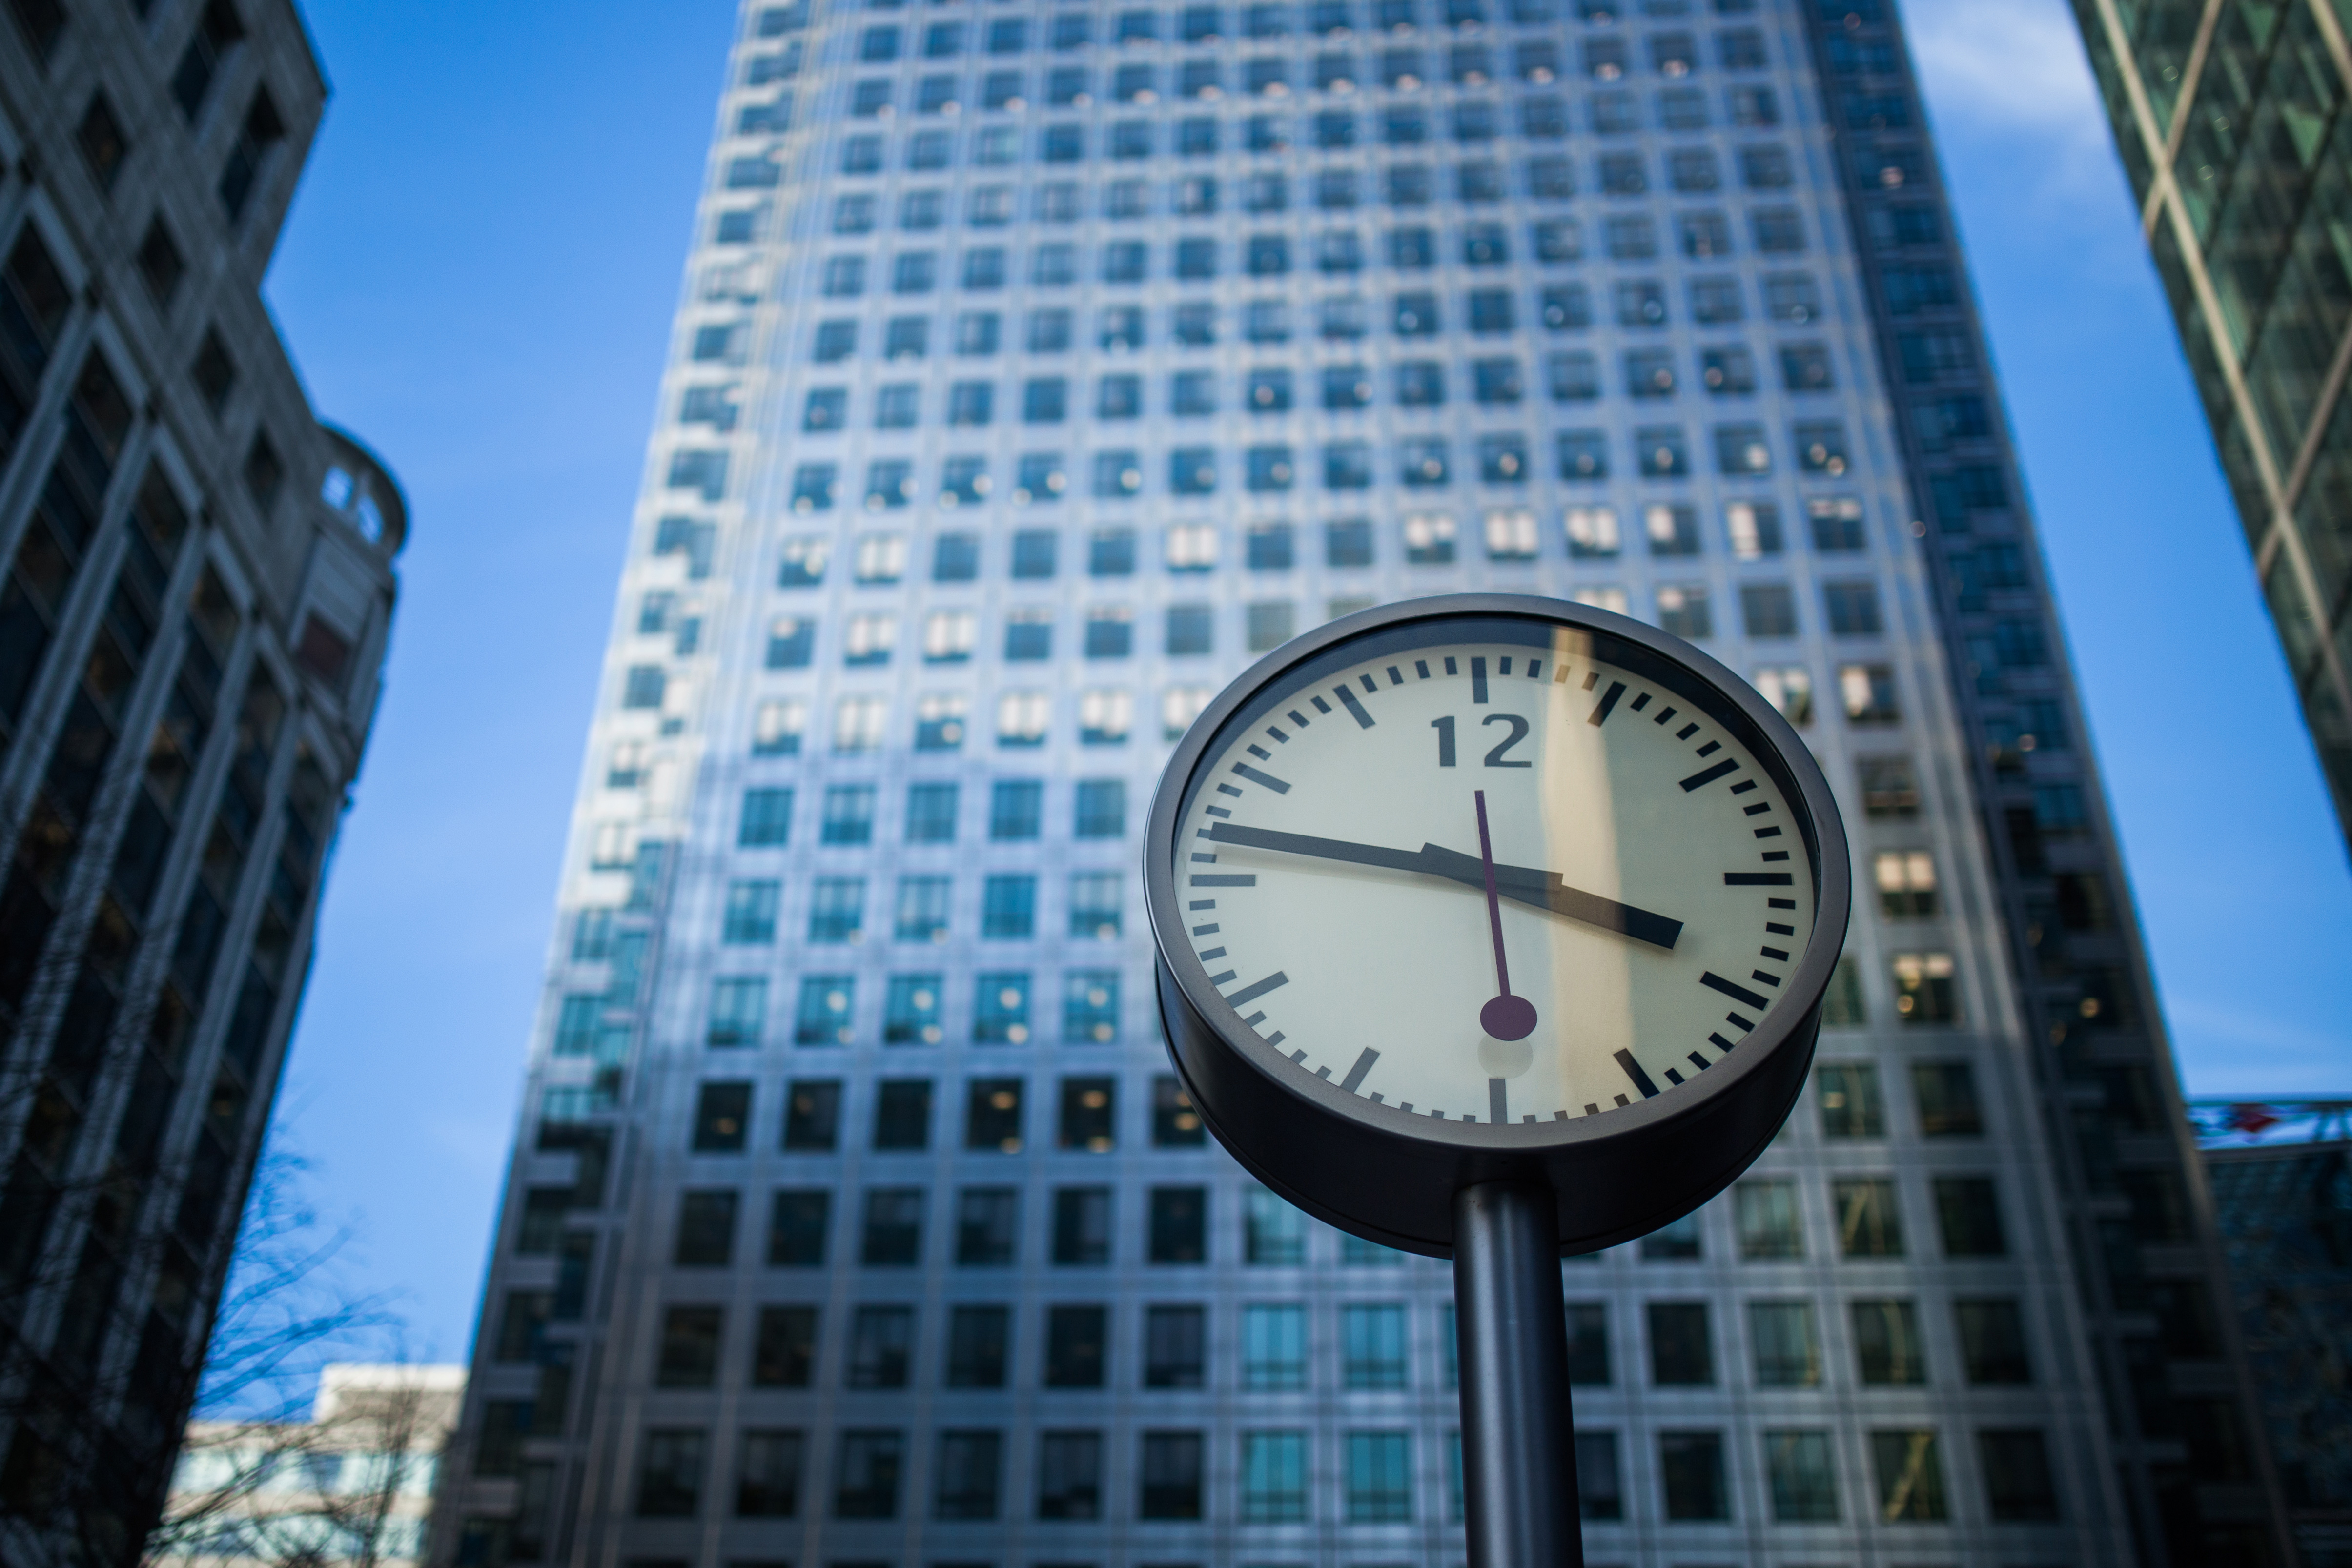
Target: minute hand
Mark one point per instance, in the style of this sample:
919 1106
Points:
1522 885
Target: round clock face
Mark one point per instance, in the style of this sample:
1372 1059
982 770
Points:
1476 871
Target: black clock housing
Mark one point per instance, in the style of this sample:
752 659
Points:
1389 1176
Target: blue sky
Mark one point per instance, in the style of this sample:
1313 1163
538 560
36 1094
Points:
478 278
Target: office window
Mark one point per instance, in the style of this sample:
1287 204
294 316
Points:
1802 1477
1768 1222
866 1466
722 1117
837 909
811 1115
1379 1480
1172 1472
1178 1220
1175 1343
798 1220
1001 1009
1690 1466
1009 906
687 1356
1945 1095
992 1115
669 1474
1850 1104
978 1340
1910 1476
969 1468
902 1115
1077 1346
1372 1345
706 1227
1015 810
881 1347
1681 1353
1870 1225
1274 1233
1679 1241
1685 610
893 1232
1967 1213
1274 1477
1267 624
1082 1225
1888 1351
910 1010
2018 1487
1274 1346
739 1007
784 1350
1069 1475
1993 1341
1787 1350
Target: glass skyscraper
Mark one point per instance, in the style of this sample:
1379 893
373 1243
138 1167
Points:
1039 366
2228 118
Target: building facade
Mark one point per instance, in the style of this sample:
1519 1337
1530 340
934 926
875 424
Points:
2227 117
2286 1210
1039 366
353 1485
198 589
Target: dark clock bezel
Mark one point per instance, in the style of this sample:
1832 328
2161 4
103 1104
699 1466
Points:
1389 1176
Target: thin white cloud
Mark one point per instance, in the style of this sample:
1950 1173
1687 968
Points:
2014 70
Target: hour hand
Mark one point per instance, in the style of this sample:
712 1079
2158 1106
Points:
1544 890
1523 884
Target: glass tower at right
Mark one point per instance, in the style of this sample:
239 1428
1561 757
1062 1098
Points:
2230 120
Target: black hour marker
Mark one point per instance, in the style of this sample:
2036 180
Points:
1777 929
1204 859
1320 705
1780 903
1356 710
1478 680
1717 1041
1591 679
1738 993
1775 855
1277 734
1559 673
1592 1110
1499 1108
1256 1018
1368 686
1608 701
1741 1024
1698 1061
1767 832
1271 782
1396 677
1322 1073
1534 669
1757 810
1758 879
1743 786
1297 718
1421 668
1376 1099
1687 732
1664 713
1710 749
1260 752
1779 954
1299 1057
1760 974
1640 1079
1356 1074
1218 811
1638 704
1210 952
1274 981
1220 979
1203 903
1451 668
1707 775
1229 790
1673 1077
1208 930
1623 1102
1503 665
1226 879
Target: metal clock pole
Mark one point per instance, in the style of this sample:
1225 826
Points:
1518 1435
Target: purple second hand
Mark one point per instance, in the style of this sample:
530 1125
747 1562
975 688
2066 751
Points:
1506 1017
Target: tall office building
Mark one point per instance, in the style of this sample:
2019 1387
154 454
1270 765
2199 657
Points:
2227 117
1039 366
197 588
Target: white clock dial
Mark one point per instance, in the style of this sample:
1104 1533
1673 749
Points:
1491 881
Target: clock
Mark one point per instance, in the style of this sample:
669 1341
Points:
1493 888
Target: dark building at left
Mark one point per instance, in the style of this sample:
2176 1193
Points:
195 587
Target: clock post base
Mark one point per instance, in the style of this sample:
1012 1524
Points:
1518 1435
